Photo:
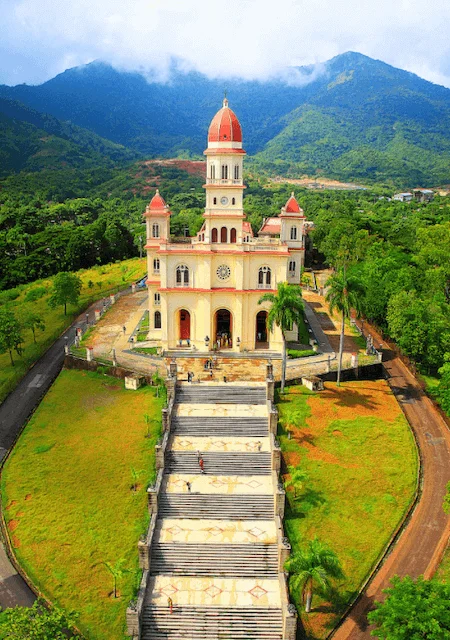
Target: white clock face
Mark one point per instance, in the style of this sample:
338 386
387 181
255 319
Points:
223 272
224 200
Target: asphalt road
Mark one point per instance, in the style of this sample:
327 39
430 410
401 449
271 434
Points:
14 412
416 551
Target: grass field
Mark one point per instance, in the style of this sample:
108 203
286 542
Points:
361 463
67 498
97 282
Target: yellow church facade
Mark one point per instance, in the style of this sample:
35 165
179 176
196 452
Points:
204 293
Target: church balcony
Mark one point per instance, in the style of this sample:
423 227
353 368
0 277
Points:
266 286
219 181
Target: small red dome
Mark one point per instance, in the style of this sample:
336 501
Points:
225 126
292 205
157 202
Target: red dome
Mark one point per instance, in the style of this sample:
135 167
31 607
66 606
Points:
157 202
292 205
225 126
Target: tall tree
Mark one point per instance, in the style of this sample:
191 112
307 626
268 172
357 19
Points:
315 564
344 294
66 288
285 311
31 320
413 609
11 338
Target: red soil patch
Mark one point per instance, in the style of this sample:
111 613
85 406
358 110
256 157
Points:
16 542
28 496
12 525
292 458
337 433
11 505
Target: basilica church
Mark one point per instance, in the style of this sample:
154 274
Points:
204 294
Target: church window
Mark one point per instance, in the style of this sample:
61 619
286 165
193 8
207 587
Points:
156 265
155 231
292 267
233 235
224 172
203 237
233 200
214 200
213 172
214 235
157 319
293 233
236 172
264 278
157 298
224 234
182 279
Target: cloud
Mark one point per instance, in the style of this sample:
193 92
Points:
245 38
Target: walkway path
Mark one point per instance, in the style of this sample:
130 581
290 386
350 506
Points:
214 551
419 548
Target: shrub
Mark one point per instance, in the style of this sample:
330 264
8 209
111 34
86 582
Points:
35 294
9 295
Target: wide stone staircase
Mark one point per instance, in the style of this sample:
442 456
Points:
214 562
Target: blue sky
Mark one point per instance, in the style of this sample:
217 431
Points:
246 38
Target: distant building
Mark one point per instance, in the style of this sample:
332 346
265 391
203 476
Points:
403 197
423 195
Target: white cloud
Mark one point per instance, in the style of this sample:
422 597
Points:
246 38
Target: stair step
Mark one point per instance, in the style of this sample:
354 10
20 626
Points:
216 507
221 395
219 426
220 463
227 623
239 560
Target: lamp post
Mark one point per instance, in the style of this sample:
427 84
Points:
207 342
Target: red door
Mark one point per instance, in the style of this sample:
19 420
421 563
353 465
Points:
185 325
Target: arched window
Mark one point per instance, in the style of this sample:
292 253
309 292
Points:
157 298
214 200
233 235
224 172
203 237
156 265
213 172
292 267
157 319
236 172
182 278
155 230
224 234
214 235
293 233
233 200
264 278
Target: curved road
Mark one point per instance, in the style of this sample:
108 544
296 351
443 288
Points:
418 550
14 412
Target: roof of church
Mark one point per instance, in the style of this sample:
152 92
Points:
247 227
271 227
157 205
292 207
225 126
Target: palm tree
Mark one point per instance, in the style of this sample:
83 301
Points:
297 476
286 310
343 295
117 571
314 565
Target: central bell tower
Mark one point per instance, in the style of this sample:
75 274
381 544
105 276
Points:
224 177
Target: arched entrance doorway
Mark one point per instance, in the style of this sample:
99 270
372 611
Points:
262 334
223 329
185 324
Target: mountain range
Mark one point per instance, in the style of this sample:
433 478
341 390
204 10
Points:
355 118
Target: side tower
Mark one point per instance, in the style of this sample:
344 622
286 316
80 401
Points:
292 233
157 219
224 185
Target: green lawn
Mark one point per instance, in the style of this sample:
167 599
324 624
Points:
67 498
443 573
102 280
361 463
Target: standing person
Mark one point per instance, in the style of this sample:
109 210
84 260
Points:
170 604
188 486
124 329
189 376
201 464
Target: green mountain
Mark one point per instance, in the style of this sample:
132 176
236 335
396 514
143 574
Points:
33 141
353 118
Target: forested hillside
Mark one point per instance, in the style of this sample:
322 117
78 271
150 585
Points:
354 118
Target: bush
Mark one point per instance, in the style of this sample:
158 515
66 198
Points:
9 295
35 294
293 353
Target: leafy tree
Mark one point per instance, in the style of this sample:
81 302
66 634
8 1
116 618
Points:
36 623
344 294
296 478
11 338
413 610
116 570
66 288
285 311
315 564
31 320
